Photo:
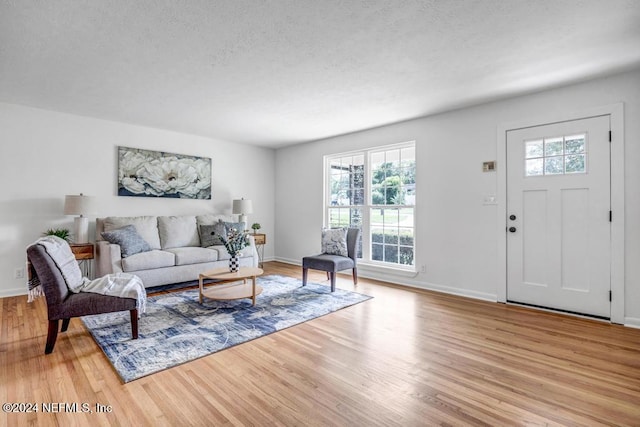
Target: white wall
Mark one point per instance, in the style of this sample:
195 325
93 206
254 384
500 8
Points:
45 155
456 234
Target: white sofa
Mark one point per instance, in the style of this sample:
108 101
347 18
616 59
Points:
176 253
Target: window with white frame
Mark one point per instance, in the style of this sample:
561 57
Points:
375 190
557 155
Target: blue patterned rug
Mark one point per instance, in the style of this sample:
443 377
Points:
177 329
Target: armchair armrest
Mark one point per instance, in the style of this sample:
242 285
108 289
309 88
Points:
108 258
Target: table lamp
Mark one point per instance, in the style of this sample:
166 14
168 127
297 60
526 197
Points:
242 207
80 205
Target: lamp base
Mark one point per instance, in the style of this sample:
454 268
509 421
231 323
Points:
81 229
243 219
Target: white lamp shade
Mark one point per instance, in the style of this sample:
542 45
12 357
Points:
242 206
79 205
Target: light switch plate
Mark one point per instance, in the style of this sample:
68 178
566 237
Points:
490 199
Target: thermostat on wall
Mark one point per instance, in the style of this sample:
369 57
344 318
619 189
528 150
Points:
489 166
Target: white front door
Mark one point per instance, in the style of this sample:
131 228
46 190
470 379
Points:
558 216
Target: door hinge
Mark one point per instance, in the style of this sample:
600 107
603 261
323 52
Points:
610 216
609 136
610 296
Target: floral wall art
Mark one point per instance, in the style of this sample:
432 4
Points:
146 173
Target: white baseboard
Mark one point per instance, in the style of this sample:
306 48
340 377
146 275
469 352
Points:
288 261
632 322
401 278
14 292
412 283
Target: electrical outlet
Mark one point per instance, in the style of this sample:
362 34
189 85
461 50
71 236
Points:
423 268
19 273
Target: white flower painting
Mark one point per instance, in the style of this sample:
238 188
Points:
149 173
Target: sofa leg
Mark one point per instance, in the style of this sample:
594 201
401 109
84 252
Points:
333 281
328 275
51 336
355 276
305 271
134 323
65 325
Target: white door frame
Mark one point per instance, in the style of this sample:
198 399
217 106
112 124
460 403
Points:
616 111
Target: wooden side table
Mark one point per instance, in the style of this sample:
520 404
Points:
260 240
84 253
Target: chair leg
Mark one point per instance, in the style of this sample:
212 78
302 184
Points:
305 271
51 336
134 323
65 325
333 281
355 276
328 276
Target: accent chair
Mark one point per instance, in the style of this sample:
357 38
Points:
63 304
334 263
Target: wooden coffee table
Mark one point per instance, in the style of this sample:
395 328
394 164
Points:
226 287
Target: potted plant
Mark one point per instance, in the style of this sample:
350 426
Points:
256 226
62 233
234 242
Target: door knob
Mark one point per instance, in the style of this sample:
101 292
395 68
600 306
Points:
512 217
512 229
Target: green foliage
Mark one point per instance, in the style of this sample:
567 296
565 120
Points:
388 181
62 233
256 226
235 241
392 195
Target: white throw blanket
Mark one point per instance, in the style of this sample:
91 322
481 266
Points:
60 252
121 285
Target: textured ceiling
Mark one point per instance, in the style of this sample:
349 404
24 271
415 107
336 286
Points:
278 72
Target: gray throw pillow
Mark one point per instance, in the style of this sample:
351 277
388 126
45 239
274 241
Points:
210 234
129 240
334 241
238 226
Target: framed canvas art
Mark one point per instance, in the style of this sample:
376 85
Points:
147 173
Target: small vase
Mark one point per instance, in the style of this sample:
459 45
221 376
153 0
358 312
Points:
234 263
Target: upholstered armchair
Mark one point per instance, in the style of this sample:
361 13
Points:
63 304
332 263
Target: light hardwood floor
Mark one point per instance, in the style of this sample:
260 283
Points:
403 358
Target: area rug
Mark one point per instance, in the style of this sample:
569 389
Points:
177 329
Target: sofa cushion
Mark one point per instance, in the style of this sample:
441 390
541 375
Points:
223 254
146 226
210 234
211 219
129 240
195 255
148 260
178 231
